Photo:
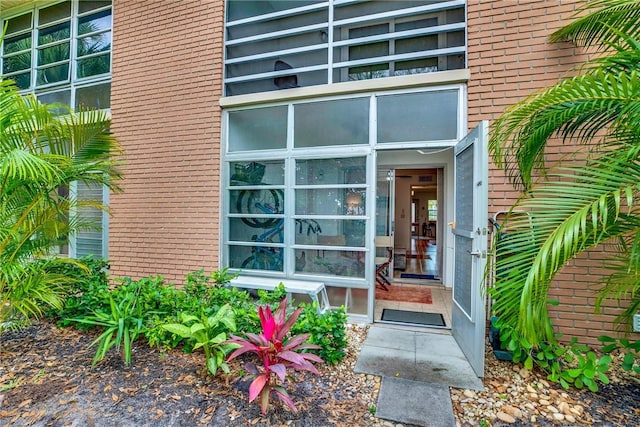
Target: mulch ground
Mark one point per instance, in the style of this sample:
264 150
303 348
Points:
46 380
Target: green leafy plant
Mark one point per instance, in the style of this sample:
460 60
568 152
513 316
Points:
629 349
210 333
570 365
326 329
121 326
277 353
43 149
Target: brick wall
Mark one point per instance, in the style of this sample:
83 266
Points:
167 79
509 58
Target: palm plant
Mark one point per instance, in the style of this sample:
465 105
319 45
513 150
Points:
572 209
42 151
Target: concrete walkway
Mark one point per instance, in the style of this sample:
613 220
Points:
417 367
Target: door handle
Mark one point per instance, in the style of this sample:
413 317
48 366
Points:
475 253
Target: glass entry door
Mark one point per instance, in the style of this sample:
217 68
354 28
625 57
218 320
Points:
385 206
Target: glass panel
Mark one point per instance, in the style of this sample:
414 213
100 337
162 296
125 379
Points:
242 230
17 44
339 122
240 9
96 22
257 202
94 66
350 170
19 62
269 172
416 44
87 5
19 23
255 258
49 55
53 74
368 72
332 263
330 232
462 288
60 97
89 241
54 13
359 301
258 129
417 66
94 44
23 81
426 116
53 34
96 96
331 201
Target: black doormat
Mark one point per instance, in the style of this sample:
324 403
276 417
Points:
415 317
418 276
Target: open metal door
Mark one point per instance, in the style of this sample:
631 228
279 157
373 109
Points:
470 245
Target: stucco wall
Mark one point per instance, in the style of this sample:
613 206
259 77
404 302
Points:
167 79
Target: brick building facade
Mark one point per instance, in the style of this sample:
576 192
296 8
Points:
173 101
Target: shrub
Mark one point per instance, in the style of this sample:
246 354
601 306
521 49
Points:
327 330
276 353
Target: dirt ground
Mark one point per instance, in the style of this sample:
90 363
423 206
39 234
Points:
47 381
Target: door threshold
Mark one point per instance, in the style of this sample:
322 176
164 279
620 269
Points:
413 325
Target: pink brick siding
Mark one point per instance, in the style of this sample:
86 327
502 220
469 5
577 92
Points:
167 80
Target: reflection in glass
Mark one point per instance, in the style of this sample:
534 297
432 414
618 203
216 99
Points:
267 172
331 263
94 65
94 44
331 201
350 170
330 232
242 231
19 62
23 80
17 44
53 74
53 34
256 257
57 53
96 22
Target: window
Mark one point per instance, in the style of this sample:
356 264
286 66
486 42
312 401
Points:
61 51
432 207
285 44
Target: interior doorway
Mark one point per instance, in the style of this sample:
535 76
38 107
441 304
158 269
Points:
410 207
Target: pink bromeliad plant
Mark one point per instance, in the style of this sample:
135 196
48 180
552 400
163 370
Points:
277 352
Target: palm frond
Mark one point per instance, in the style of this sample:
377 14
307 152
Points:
603 23
578 208
578 108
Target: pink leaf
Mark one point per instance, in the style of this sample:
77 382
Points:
284 397
294 342
284 330
280 370
312 357
244 348
264 402
291 357
306 366
267 321
281 312
256 386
